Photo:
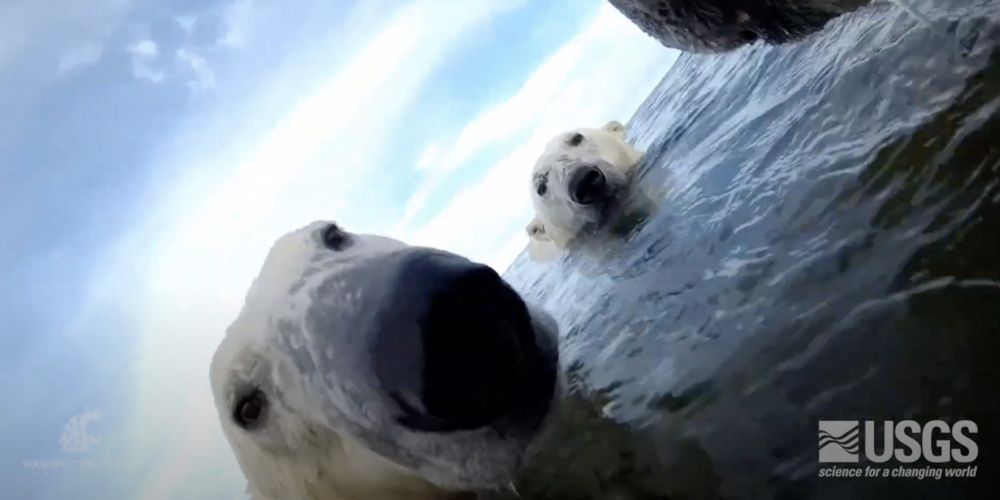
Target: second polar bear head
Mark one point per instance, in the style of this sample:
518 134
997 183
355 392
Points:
578 180
361 368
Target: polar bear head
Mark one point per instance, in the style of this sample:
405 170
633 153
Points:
363 368
578 180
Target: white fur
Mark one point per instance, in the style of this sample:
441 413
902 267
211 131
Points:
558 219
325 434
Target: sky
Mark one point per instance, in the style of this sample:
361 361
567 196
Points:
151 152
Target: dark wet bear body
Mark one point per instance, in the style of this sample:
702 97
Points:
721 25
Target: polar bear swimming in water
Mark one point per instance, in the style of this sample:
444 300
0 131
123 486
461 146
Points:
578 183
361 368
723 25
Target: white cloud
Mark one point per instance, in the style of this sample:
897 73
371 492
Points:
236 19
414 204
43 29
80 56
603 73
144 72
520 111
485 215
144 49
430 155
144 54
186 22
427 163
202 76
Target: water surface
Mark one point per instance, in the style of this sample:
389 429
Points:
827 247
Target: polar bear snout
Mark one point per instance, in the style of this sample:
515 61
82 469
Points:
364 368
587 185
469 358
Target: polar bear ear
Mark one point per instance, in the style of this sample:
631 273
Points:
614 126
541 247
536 230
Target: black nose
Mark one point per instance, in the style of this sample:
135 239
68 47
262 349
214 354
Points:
472 350
748 36
587 185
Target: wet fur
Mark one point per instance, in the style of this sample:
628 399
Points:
325 434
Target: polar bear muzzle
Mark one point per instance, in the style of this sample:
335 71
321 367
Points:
453 346
363 368
587 185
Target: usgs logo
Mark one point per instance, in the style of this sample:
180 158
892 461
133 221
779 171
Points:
906 441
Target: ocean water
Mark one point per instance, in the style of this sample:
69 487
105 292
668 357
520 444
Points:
825 245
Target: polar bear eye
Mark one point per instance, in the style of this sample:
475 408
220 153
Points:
541 180
335 238
249 409
575 139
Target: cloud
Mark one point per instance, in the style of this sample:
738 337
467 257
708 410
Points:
70 35
510 117
236 18
144 49
186 22
202 76
429 157
144 55
603 73
144 72
483 216
518 112
80 56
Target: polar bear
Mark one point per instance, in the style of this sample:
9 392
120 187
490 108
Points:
361 368
578 181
